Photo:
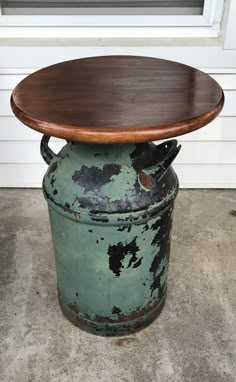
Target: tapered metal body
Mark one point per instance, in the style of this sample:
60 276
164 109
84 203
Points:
110 209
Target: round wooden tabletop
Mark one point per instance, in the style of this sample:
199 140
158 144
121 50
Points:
117 99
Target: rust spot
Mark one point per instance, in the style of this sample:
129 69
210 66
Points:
73 307
155 306
102 320
125 341
146 180
138 312
85 322
232 212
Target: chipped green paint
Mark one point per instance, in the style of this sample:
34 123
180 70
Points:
111 233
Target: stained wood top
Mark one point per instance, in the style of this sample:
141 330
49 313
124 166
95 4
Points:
117 99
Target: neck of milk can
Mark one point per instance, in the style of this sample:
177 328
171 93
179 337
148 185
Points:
105 153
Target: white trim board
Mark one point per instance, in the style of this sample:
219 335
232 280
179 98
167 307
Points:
230 25
146 18
111 32
201 56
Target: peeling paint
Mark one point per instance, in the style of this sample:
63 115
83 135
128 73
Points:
112 258
117 254
93 178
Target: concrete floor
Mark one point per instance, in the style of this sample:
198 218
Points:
194 339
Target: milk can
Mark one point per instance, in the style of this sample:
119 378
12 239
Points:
110 209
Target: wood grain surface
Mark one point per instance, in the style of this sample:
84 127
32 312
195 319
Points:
117 99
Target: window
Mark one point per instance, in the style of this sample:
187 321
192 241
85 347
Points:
161 18
161 7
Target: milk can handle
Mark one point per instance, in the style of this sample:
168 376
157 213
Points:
47 154
170 150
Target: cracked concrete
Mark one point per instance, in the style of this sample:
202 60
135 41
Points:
194 339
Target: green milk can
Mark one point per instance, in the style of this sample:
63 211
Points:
110 209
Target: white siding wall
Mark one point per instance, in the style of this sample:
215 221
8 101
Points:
207 158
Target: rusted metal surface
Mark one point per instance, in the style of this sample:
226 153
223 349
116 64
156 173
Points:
104 326
110 209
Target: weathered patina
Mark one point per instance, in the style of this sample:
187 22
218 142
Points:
111 197
110 209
